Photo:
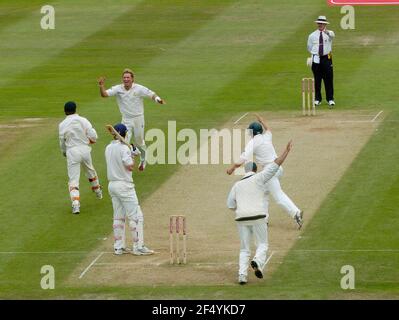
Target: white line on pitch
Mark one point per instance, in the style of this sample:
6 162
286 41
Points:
157 264
90 265
353 121
44 252
377 116
342 250
243 116
268 259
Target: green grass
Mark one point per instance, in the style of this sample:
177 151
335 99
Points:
210 60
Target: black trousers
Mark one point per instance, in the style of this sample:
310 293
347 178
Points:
323 71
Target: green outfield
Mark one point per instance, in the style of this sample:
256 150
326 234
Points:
212 61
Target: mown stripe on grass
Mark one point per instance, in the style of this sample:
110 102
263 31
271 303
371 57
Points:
226 33
25 45
132 40
275 78
37 191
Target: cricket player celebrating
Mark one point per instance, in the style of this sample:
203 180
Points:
119 158
261 147
75 135
249 199
129 96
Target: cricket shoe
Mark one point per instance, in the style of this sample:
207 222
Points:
331 104
242 279
317 103
258 272
75 207
143 251
99 194
122 251
142 165
299 219
118 252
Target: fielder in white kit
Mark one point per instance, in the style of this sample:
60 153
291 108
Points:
249 198
129 96
75 136
261 147
119 158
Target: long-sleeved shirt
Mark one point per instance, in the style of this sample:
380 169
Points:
249 195
75 131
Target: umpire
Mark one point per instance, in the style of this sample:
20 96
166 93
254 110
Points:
320 46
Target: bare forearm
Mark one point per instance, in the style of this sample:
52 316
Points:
262 121
238 164
103 92
234 166
284 155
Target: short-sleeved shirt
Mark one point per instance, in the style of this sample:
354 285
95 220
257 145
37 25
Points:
261 148
314 42
118 156
130 101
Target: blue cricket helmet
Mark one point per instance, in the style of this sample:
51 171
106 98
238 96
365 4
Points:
121 129
256 128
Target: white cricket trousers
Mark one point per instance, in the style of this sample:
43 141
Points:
135 127
77 157
126 206
280 196
247 230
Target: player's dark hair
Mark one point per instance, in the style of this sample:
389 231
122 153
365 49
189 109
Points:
70 108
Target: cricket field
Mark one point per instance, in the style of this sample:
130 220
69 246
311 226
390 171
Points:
216 63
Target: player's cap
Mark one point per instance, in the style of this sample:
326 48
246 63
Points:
250 167
121 129
256 128
70 107
322 19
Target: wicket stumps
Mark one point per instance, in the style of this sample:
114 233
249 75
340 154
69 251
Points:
177 232
308 97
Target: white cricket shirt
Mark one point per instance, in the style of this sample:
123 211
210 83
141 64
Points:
249 195
130 101
261 148
313 42
75 131
117 157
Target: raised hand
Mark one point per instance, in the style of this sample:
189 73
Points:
101 81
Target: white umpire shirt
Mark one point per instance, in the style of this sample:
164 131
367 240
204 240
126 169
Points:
75 131
248 196
118 156
130 101
261 147
313 44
